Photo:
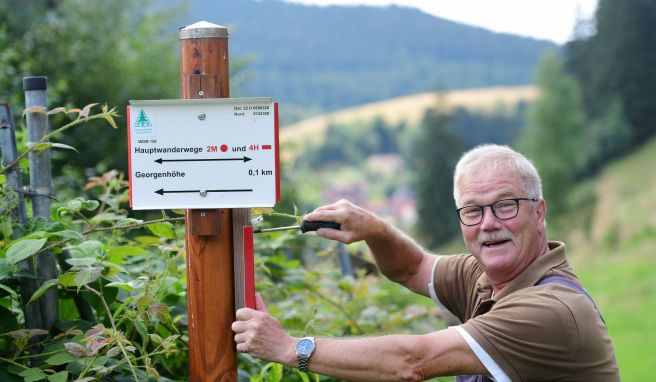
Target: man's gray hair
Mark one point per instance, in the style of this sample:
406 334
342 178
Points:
490 157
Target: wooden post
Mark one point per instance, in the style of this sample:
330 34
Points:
41 188
210 277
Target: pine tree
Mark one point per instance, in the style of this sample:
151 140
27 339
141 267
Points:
555 129
617 64
437 150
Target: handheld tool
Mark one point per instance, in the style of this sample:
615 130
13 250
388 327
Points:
306 226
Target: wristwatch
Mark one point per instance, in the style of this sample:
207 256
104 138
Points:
304 349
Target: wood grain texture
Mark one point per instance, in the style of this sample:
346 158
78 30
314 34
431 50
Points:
209 239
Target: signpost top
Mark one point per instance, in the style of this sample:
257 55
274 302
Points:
200 101
203 29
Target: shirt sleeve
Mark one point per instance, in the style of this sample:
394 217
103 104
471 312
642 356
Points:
532 338
454 283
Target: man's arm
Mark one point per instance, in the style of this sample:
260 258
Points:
386 358
397 256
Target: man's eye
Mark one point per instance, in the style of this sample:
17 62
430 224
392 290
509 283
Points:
506 204
470 212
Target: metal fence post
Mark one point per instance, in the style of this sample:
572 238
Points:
344 260
18 214
41 188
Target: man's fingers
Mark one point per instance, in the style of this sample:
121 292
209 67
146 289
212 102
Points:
333 234
244 314
239 327
259 303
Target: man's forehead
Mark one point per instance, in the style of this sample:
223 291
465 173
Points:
489 182
501 193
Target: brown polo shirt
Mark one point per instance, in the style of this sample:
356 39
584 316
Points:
549 332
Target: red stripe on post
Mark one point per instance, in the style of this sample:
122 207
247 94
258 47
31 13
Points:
129 156
277 144
249 268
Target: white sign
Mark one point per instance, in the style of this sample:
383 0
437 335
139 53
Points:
203 153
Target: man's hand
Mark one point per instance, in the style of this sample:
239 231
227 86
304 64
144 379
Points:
356 223
261 335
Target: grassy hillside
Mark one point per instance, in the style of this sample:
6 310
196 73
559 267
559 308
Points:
614 256
409 108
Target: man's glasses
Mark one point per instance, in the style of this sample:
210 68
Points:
503 209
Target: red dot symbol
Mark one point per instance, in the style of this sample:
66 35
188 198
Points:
224 148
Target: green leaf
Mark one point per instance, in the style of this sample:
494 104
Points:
142 330
62 376
43 289
5 222
107 217
32 374
303 376
124 251
9 290
46 145
67 279
66 234
23 249
89 248
90 205
60 359
165 230
121 285
5 269
82 261
64 146
87 275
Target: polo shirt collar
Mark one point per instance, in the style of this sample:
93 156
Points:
554 257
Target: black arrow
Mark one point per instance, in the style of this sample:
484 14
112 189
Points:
243 159
161 191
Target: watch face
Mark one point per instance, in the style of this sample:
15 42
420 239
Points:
304 346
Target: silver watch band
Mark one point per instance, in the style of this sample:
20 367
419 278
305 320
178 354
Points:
303 362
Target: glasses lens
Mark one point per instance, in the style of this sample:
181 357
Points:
505 209
471 215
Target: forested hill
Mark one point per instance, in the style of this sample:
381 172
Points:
338 56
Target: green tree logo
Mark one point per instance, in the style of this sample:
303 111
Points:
142 120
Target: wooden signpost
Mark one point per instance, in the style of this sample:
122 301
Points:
216 157
210 291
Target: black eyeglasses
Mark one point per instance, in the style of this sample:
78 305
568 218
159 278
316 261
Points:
504 209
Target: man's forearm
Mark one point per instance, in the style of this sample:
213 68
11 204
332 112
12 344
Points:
399 257
394 358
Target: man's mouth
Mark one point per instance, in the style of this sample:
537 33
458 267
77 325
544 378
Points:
494 243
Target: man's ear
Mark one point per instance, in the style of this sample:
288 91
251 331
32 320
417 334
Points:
541 211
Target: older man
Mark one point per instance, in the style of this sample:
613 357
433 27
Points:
525 316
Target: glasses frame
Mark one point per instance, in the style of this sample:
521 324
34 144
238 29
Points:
482 208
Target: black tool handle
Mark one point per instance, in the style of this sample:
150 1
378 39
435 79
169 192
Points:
307 226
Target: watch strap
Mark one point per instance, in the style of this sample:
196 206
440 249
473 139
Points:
304 359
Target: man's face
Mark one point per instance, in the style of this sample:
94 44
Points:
503 247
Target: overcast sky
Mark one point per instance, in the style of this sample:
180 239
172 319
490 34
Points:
545 19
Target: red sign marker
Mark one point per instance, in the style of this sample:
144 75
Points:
266 147
249 268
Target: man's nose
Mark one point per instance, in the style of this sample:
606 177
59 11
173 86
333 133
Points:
489 221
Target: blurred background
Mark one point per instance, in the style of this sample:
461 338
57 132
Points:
379 101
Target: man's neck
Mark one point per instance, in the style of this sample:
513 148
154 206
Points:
503 279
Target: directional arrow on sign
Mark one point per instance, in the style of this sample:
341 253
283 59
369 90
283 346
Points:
162 191
242 159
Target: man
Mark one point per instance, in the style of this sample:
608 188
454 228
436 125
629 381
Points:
518 323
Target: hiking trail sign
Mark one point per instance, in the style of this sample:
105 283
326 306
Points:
203 153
